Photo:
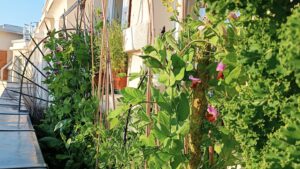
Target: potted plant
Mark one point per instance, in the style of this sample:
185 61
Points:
119 58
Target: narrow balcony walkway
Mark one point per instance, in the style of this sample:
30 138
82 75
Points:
19 147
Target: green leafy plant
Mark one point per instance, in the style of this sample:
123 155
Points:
119 58
68 128
181 129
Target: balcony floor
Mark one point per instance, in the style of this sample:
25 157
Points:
19 147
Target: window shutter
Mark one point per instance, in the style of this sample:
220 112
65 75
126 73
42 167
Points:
126 13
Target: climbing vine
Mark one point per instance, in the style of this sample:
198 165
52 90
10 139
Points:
184 124
224 92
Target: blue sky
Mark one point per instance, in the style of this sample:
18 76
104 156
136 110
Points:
20 12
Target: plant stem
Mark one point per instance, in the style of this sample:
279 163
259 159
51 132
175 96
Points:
199 106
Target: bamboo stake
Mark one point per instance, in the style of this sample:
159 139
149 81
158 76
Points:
148 91
65 26
92 45
211 155
99 97
110 72
107 61
100 82
77 17
83 16
102 92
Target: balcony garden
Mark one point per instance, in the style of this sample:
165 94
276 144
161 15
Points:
227 93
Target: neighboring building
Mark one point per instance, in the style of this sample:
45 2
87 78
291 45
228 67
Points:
7 34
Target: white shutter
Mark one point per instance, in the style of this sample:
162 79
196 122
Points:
109 10
125 13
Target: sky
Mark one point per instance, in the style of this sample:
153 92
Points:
20 12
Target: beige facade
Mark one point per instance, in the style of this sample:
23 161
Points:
8 33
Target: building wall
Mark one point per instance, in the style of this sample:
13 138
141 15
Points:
6 54
5 41
161 18
136 36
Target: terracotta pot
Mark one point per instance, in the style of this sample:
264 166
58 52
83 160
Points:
119 82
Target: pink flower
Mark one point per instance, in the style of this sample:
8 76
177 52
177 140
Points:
201 27
195 81
212 113
221 67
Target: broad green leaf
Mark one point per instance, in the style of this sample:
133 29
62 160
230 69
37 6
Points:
167 79
184 129
117 112
234 74
164 118
155 162
161 100
153 63
148 49
62 124
189 67
163 55
161 132
176 146
191 54
214 40
113 123
177 62
148 141
59 125
68 143
143 116
179 162
172 42
164 156
133 76
180 75
133 95
158 44
229 59
183 108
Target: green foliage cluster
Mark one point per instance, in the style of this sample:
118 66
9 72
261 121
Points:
67 132
283 148
262 114
119 57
